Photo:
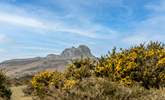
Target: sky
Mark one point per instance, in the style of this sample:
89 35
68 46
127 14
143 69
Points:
30 28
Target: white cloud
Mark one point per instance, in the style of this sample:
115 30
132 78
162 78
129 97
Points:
87 29
34 48
45 21
148 31
93 31
152 28
20 20
2 50
3 38
142 37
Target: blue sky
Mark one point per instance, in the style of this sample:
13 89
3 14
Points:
31 28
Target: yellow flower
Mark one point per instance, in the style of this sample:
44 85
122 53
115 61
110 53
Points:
131 65
161 62
69 84
46 79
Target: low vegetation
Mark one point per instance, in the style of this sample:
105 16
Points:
140 64
5 92
44 81
137 73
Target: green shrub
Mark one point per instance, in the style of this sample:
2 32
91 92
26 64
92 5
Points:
43 82
5 92
104 89
144 64
80 68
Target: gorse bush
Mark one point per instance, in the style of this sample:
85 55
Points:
5 92
104 89
144 64
69 84
43 81
80 68
123 75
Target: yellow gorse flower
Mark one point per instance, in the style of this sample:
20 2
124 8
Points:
69 84
46 79
138 63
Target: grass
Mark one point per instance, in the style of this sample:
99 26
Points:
17 93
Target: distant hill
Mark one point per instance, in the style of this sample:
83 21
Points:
22 67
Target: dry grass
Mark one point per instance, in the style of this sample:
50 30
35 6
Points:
155 94
17 93
101 89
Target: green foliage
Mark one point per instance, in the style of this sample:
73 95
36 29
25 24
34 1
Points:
104 89
80 68
44 81
5 92
144 64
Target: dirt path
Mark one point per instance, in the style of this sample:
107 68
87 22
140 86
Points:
17 93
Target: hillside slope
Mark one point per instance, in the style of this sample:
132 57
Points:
22 67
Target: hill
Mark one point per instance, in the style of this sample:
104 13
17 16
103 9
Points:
29 66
